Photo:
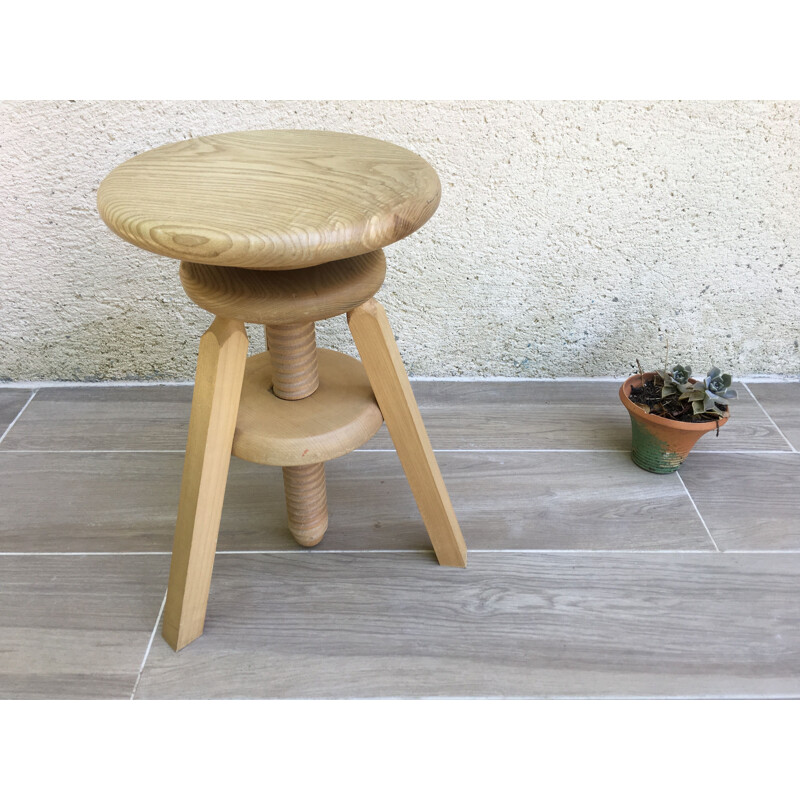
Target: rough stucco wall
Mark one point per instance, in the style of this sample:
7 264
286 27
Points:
570 236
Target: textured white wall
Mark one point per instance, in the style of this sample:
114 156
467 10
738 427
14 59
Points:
569 237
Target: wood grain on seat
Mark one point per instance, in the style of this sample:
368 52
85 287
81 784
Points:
269 199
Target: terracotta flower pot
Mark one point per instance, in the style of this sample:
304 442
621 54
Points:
660 444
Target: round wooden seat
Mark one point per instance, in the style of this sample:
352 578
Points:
283 297
280 199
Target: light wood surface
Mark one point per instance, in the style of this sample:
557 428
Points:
218 381
458 415
275 199
306 503
280 297
384 366
370 625
293 358
521 415
750 502
512 625
782 402
340 416
125 502
74 628
295 375
12 401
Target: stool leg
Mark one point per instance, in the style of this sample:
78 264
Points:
215 404
381 358
293 354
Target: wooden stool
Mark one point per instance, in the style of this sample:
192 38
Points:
282 228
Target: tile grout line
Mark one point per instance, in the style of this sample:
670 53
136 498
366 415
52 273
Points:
742 452
377 450
435 450
112 384
777 428
9 553
544 696
472 550
88 452
691 499
11 425
149 645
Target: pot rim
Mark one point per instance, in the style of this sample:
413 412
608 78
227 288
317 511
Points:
657 420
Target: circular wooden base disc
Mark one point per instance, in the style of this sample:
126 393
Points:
340 416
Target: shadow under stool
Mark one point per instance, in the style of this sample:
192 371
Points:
282 228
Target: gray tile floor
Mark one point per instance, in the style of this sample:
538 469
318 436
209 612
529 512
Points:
587 576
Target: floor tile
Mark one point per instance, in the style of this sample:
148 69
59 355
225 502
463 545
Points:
12 401
782 402
748 428
583 415
319 623
88 502
749 502
512 501
76 626
520 415
104 418
109 502
511 625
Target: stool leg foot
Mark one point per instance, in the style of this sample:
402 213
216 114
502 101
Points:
215 404
384 366
306 503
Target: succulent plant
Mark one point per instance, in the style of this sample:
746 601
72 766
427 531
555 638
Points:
706 394
676 380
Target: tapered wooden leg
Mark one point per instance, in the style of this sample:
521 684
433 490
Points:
215 404
381 358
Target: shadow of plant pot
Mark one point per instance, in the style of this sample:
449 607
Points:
659 444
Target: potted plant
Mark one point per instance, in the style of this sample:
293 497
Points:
670 411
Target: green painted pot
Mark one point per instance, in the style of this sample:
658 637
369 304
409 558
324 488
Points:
659 444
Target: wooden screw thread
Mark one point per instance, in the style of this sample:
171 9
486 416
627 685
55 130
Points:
306 502
293 352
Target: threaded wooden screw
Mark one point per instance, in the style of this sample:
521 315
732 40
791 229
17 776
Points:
293 353
306 502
